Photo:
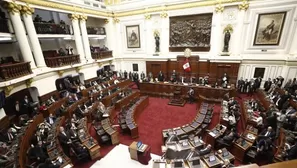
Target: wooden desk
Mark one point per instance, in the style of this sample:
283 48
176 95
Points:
281 145
249 166
239 149
214 134
133 114
262 97
126 100
107 100
73 107
213 164
208 92
229 157
113 133
134 152
54 107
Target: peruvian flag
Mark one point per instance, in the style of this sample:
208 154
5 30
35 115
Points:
186 65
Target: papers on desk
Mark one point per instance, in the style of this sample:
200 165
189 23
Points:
212 134
250 136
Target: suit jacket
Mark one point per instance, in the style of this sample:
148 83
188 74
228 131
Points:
271 135
48 120
63 139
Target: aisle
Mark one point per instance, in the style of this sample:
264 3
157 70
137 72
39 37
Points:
119 157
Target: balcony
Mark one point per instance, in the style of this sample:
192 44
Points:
14 70
51 28
53 60
4 25
101 55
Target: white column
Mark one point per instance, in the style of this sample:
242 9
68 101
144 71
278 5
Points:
237 35
21 36
85 38
110 32
77 37
36 48
293 49
164 36
216 35
149 36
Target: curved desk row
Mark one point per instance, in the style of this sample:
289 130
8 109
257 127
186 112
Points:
126 100
155 89
196 126
133 113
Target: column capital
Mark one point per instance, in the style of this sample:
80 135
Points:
219 8
26 10
83 17
106 21
244 5
147 16
116 20
163 14
74 16
12 7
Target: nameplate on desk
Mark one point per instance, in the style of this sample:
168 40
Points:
212 134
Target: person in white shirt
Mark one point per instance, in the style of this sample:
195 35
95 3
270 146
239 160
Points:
116 81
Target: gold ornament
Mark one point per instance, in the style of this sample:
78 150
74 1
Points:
77 69
106 21
8 89
60 72
163 15
74 16
219 8
156 32
83 17
110 62
12 7
147 16
244 6
100 64
29 82
228 28
116 20
27 10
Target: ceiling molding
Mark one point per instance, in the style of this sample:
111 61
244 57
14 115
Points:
169 7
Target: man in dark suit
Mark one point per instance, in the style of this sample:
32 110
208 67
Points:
39 153
267 84
26 106
227 139
267 133
160 77
65 140
272 121
291 153
51 119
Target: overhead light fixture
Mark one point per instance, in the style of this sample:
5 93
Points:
5 38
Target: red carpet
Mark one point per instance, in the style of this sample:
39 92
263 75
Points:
156 117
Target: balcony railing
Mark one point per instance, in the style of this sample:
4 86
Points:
15 70
51 28
102 55
60 61
4 25
96 30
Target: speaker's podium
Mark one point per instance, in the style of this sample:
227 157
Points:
140 152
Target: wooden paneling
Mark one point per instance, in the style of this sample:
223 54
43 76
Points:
199 69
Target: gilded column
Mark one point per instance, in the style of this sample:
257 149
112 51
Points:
85 38
27 12
216 32
77 37
237 47
19 29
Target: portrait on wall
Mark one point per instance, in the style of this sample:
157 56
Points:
269 28
133 36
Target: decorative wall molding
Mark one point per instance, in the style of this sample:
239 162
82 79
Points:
60 72
29 82
8 89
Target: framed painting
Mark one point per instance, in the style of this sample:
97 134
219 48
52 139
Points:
133 36
269 28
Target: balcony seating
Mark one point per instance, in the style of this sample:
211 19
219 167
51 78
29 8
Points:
51 28
96 30
11 69
52 59
99 53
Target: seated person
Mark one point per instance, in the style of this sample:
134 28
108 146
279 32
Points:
73 133
75 97
82 87
70 100
90 102
228 138
116 81
37 152
42 107
291 152
101 107
267 134
51 119
75 119
82 109
39 138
